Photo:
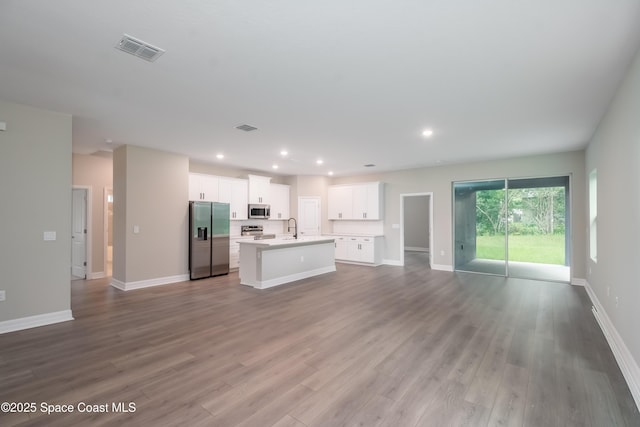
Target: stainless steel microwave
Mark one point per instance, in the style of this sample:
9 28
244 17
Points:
259 211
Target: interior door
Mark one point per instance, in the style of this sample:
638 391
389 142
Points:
308 216
79 233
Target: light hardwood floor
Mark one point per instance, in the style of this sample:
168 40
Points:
385 346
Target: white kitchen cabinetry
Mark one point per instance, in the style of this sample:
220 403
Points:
234 250
341 248
203 188
259 187
359 249
279 200
340 202
366 201
235 192
356 201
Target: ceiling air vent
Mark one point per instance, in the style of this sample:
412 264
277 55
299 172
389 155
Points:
246 128
369 165
139 48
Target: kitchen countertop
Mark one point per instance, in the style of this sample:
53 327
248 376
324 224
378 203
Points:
288 241
353 235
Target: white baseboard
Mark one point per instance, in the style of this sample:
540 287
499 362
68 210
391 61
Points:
416 249
442 267
129 286
392 262
627 364
35 321
96 275
292 277
369 264
576 281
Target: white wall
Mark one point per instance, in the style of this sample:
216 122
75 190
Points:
35 184
615 152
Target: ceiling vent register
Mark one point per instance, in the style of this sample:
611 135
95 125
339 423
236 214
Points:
139 48
246 128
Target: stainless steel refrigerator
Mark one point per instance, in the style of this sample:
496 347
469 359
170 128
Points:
208 239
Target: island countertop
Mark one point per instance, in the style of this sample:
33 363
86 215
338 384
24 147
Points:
288 241
273 262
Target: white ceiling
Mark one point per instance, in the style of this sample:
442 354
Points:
350 81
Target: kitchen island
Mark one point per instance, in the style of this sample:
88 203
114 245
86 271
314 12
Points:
272 262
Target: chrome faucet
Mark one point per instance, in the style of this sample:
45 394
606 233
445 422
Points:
295 227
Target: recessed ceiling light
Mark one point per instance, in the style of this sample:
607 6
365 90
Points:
220 156
274 166
284 153
319 162
427 133
330 173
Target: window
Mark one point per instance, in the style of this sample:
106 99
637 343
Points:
593 215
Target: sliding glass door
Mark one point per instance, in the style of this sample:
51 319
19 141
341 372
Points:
480 226
513 227
538 241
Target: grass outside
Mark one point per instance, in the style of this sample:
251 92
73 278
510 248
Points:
542 249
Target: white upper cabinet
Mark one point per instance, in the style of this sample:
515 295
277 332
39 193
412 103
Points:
340 202
203 188
235 192
279 200
356 201
367 201
259 187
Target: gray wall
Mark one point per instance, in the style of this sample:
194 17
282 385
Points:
438 181
35 184
615 152
416 222
150 191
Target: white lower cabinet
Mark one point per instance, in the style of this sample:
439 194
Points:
358 249
341 248
234 251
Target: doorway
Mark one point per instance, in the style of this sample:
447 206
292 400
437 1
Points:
513 227
79 203
416 228
309 216
108 231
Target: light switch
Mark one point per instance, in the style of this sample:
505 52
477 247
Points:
49 235
136 229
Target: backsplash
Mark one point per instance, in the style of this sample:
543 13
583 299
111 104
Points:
374 228
269 226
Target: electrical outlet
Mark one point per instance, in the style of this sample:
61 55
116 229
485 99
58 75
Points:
616 301
608 291
3 295
301 258
441 253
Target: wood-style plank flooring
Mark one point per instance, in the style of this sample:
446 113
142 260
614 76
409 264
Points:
385 346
